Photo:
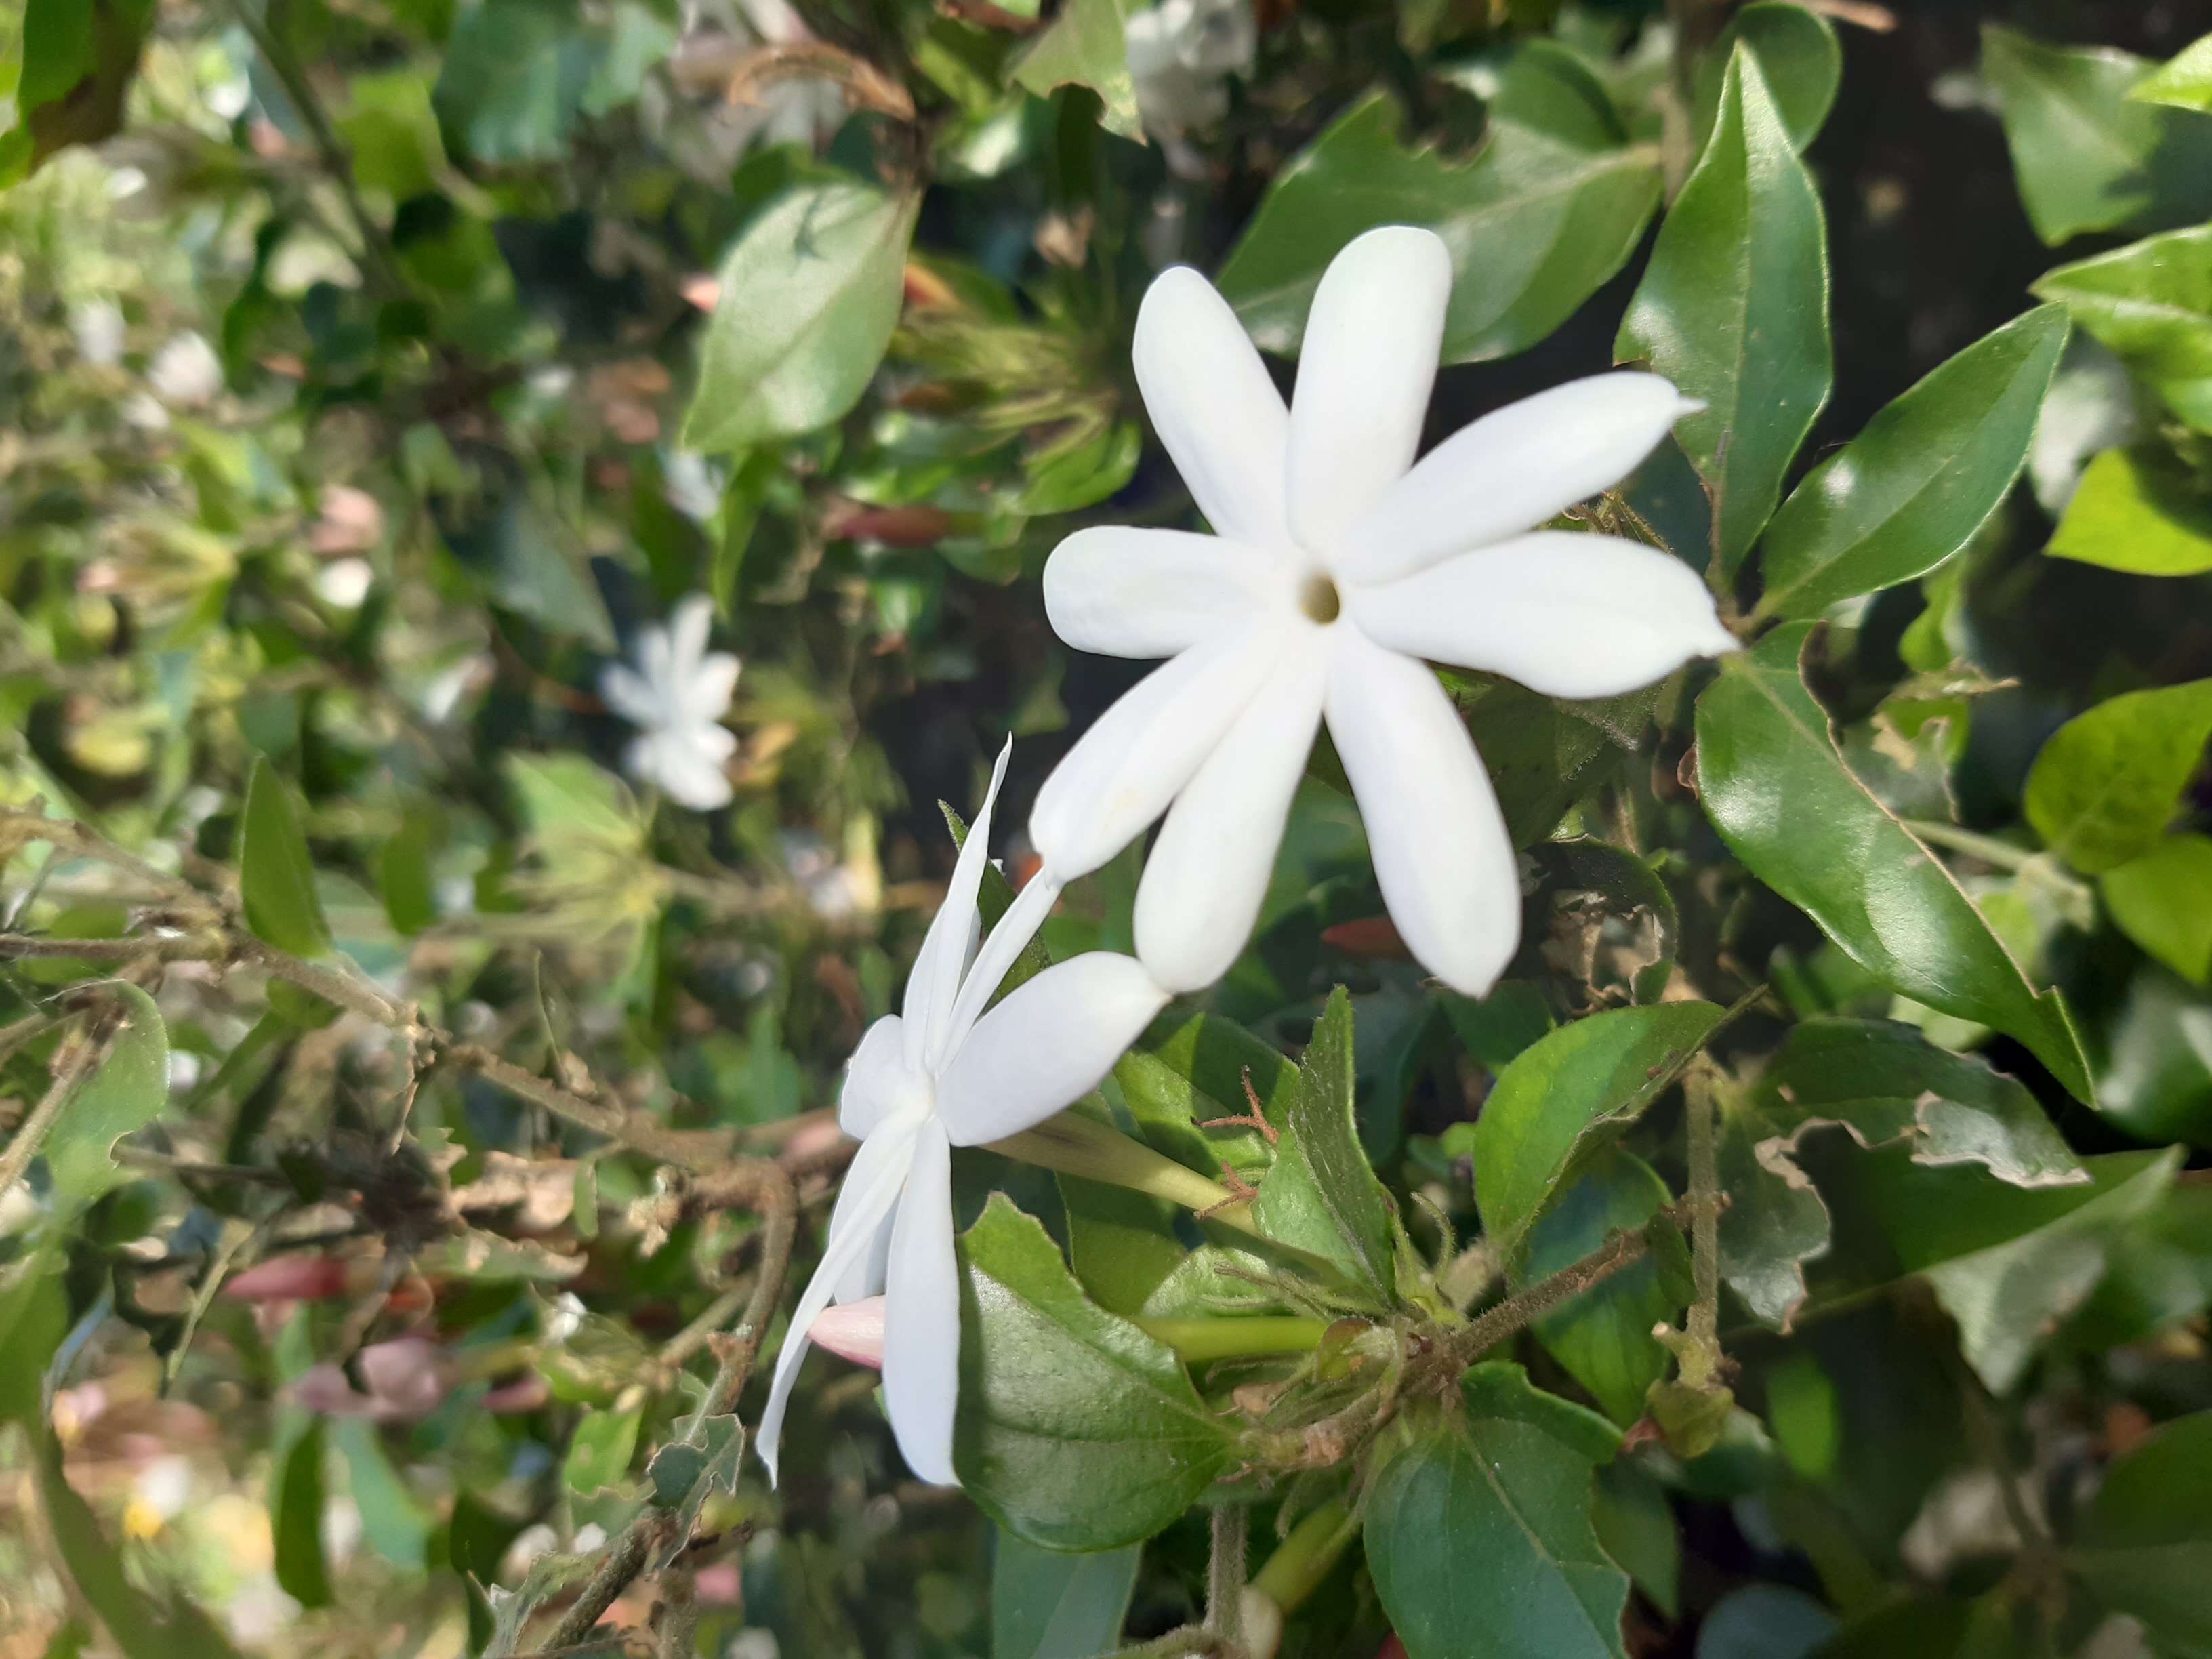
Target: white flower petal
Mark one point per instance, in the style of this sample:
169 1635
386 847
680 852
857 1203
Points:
878 1080
1433 828
1008 938
1046 1045
934 985
872 1188
1566 614
1123 772
1364 372
921 1315
1124 593
869 1270
1513 470
653 666
705 697
685 766
1217 412
1208 870
687 633
622 690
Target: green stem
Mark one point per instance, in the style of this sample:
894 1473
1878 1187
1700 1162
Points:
1198 1340
1988 849
1698 1088
1295 1571
1079 1146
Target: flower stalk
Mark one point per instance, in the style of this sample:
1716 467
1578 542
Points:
1072 1143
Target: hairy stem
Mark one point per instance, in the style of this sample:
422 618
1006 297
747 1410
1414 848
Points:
1225 1575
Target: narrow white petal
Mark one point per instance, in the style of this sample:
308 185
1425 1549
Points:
622 690
1218 414
1153 592
1046 1045
1208 870
872 1184
1566 614
934 985
1008 938
1364 372
687 769
865 1275
1123 772
878 1082
652 663
1513 470
921 1315
705 695
1439 845
687 633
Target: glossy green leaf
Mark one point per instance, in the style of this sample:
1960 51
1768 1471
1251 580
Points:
1319 1195
1775 1220
1776 788
2185 81
1545 754
600 1451
2162 900
1635 1523
2137 510
1076 1430
1921 477
1481 1545
1565 1097
1884 1082
1733 309
1799 55
1763 1621
2105 785
1120 1243
2151 302
2087 157
1083 47
1602 1339
275 877
1548 209
126 1093
810 292
1047 1605
295 1517
2143 1541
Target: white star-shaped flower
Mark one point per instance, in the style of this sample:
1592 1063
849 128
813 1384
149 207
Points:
941 1073
1337 570
676 696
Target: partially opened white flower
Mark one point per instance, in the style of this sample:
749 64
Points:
1333 575
930 1078
676 696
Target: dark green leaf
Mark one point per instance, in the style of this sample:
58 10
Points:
2151 302
1797 52
1920 480
1763 1621
2142 1544
2162 900
2105 787
810 292
276 878
1635 1525
1480 1544
2156 1081
1083 47
1774 1222
1046 1605
1733 309
1602 1338
1319 1195
1550 208
2134 510
295 1517
685 1473
127 1092
1076 1430
1544 754
78 59
1778 791
1500 1389
1565 1098
518 73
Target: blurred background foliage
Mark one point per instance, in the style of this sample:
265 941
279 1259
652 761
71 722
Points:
375 370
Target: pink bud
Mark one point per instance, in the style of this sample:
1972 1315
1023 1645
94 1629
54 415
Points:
524 1393
289 1279
718 1584
325 1388
853 1331
406 1377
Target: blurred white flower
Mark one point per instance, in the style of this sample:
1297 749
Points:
691 484
1180 53
165 1485
186 374
99 327
345 583
676 695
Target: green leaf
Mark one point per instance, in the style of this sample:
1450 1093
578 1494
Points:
2151 302
1763 1621
1500 1389
1635 1525
1320 1195
1544 754
2085 156
2137 510
1884 1082
295 1517
517 74
2162 900
1777 790
600 1451
1602 1338
1733 309
1564 1097
1120 1243
275 877
2105 785
1076 1430
393 1520
1775 1221
126 1093
1480 1544
1548 209
811 291
1798 56
78 60
2155 1082
1921 477
1047 1605
2142 1544
2185 82
685 1473
1083 47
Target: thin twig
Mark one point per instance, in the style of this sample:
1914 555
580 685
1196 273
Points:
1699 1088
624 1559
76 1060
1225 1575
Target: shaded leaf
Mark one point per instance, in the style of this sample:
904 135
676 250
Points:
1084 46
126 1093
1602 1338
1047 1605
295 1517
1798 56
275 877
2142 1544
2162 900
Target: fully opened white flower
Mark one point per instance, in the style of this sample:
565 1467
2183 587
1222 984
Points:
930 1078
1337 570
676 696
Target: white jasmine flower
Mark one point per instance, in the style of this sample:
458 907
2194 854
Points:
676 696
186 374
930 1077
99 330
1337 570
1179 53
